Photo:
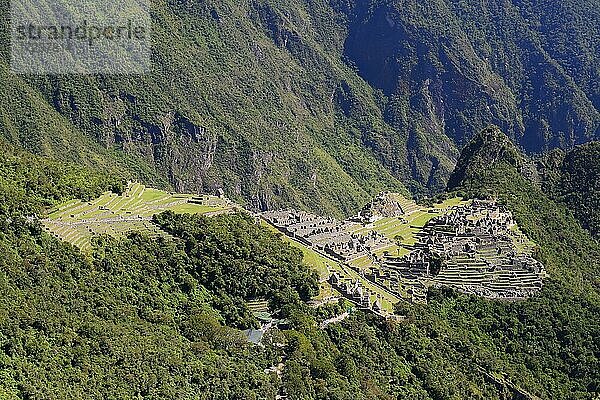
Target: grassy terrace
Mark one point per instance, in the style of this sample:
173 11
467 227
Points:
521 241
77 222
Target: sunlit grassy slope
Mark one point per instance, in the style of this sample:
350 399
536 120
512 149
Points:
77 222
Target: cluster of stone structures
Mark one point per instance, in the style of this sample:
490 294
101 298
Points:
408 274
356 292
335 240
475 249
385 205
326 235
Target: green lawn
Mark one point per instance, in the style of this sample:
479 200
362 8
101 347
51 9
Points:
422 218
453 202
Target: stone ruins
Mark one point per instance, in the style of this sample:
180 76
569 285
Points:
475 247
327 235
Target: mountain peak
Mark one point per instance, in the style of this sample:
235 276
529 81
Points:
488 150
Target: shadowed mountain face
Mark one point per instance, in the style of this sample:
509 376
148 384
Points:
573 178
321 104
528 67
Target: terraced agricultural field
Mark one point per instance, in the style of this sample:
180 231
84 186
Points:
77 222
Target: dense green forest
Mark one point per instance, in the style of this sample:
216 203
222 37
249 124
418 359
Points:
573 178
160 318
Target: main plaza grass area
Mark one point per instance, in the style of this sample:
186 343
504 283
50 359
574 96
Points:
403 230
77 222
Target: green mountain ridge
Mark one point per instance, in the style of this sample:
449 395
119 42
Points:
573 178
570 178
321 105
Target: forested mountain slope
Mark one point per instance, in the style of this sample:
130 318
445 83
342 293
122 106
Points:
565 339
450 68
321 104
226 105
141 317
573 178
